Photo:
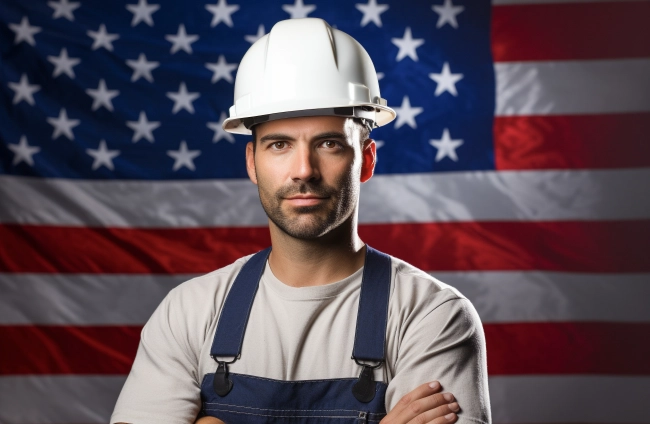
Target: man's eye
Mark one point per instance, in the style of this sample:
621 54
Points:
330 144
278 145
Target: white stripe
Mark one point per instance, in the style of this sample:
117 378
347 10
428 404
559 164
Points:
78 299
515 2
569 399
514 399
572 87
504 296
449 197
58 399
65 299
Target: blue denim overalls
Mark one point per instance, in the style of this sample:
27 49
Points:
237 398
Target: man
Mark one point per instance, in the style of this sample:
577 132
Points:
321 327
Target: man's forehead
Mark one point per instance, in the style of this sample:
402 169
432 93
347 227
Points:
304 126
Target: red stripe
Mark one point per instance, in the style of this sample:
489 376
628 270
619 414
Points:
578 246
568 348
523 348
570 31
32 349
572 142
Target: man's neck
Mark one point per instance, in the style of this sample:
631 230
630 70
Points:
301 263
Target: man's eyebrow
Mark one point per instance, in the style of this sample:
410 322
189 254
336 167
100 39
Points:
276 137
331 134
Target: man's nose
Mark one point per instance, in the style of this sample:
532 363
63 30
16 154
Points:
305 164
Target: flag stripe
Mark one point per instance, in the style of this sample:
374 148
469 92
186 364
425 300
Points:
511 296
525 2
578 348
569 399
457 196
550 31
578 246
568 348
572 142
514 399
563 88
95 395
82 299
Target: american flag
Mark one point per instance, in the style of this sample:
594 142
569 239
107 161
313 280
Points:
517 170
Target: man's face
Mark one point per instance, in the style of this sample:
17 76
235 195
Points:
308 171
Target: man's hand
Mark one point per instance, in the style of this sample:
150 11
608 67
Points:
209 420
424 405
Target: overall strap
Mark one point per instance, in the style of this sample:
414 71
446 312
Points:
234 316
370 335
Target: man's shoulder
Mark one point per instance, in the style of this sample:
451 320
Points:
420 292
207 290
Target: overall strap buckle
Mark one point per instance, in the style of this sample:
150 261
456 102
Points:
222 384
364 388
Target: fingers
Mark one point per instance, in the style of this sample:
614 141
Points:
418 393
429 408
444 414
209 420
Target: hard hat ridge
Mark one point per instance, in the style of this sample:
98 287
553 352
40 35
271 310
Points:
303 67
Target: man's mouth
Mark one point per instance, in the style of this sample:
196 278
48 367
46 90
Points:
304 200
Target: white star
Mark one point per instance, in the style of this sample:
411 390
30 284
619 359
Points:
380 75
446 146
406 114
219 132
447 14
25 32
221 69
221 12
182 99
23 152
103 156
379 143
63 9
371 12
181 41
298 9
143 128
142 12
23 90
142 68
102 38
183 157
407 45
102 96
253 38
446 80
63 64
63 125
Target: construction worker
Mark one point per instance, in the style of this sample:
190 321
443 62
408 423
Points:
319 327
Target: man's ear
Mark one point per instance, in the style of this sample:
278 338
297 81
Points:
369 156
250 162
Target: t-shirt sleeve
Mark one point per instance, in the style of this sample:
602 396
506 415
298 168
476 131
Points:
163 384
447 345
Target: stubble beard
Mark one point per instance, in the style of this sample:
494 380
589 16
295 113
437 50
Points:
321 218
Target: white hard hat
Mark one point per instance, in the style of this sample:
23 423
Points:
303 67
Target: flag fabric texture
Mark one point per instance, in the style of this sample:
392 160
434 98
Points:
517 170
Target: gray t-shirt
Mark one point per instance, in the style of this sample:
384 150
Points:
433 333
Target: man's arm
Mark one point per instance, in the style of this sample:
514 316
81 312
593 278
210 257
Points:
163 383
446 344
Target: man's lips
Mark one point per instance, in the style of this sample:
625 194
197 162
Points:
304 200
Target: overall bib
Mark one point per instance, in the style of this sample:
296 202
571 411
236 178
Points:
237 398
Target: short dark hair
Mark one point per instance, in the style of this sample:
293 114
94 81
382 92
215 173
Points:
364 133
